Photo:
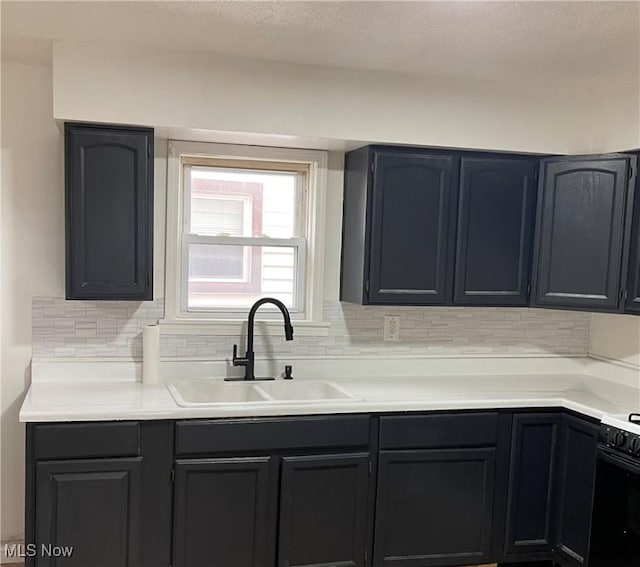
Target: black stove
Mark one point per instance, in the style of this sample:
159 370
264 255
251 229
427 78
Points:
615 533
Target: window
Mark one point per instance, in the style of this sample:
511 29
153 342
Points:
243 222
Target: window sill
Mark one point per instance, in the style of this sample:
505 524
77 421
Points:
231 327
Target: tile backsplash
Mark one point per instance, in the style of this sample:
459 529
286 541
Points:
112 329
91 329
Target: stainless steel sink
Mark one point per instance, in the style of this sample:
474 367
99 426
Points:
210 392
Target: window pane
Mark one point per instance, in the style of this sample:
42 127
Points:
239 202
213 216
225 263
229 276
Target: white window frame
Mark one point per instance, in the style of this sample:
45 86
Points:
310 250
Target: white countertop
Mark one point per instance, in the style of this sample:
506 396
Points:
127 400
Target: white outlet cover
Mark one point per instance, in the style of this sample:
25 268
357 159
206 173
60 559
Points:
391 328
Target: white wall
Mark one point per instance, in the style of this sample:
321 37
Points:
616 336
616 116
193 90
32 253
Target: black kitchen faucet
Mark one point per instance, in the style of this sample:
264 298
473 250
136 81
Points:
248 360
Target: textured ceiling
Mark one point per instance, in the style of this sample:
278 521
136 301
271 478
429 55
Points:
516 41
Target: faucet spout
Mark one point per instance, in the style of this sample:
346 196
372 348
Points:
248 361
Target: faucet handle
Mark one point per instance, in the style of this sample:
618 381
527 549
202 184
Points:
236 361
287 372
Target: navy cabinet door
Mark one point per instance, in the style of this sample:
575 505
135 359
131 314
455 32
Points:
324 510
222 512
109 212
412 228
580 233
577 471
633 283
495 231
92 506
434 507
531 484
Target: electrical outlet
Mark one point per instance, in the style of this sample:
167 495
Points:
391 328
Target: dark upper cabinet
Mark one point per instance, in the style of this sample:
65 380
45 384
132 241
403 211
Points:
92 506
434 507
581 241
414 197
224 513
399 227
633 283
109 212
530 502
495 230
576 473
324 510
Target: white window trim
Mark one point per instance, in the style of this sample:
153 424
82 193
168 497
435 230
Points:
313 254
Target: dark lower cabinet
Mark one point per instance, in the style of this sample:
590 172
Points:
580 233
324 510
421 490
530 502
230 512
577 470
434 507
495 230
109 212
92 506
223 512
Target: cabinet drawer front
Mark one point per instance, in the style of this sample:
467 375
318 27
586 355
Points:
440 430
224 436
81 440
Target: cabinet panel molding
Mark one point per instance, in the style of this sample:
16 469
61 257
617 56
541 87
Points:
223 512
109 212
577 471
412 228
495 231
323 510
93 506
581 241
530 506
434 507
